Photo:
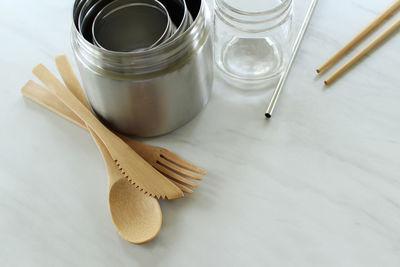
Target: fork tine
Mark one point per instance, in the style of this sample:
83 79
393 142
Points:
173 175
183 188
181 162
179 169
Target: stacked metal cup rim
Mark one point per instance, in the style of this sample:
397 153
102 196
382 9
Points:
132 25
132 56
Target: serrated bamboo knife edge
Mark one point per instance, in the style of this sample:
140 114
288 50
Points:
47 99
136 217
132 166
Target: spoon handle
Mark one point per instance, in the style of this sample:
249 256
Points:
40 95
73 85
146 209
70 79
47 99
73 103
131 165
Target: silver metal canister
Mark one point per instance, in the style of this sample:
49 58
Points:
152 92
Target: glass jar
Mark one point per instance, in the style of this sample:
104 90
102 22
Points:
252 38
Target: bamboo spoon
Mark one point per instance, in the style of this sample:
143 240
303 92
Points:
132 166
151 154
372 25
161 159
382 36
136 216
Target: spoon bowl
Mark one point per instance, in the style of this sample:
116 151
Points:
137 217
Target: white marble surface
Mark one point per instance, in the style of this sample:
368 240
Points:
319 185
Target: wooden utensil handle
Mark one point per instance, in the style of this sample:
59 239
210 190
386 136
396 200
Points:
47 99
44 97
73 103
70 79
131 165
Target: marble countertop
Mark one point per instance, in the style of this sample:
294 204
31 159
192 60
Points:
318 185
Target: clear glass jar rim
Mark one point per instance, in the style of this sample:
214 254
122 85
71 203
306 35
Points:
253 13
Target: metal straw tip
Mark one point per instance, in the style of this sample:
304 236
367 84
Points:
268 115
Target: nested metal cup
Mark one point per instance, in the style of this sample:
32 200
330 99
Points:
129 25
77 9
85 12
184 18
152 92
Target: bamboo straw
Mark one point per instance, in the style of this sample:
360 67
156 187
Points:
382 36
372 25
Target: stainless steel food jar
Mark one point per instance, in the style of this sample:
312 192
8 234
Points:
152 92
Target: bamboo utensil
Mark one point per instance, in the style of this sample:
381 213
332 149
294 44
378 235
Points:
151 154
164 161
372 25
382 36
137 217
131 165
282 80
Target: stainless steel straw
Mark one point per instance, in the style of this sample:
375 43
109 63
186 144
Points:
296 45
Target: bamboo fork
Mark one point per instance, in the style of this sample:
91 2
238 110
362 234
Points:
169 164
136 216
151 154
164 161
382 36
140 173
372 25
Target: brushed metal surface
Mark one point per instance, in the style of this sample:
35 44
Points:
151 92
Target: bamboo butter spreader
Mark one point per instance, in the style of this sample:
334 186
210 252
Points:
177 170
137 217
131 165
